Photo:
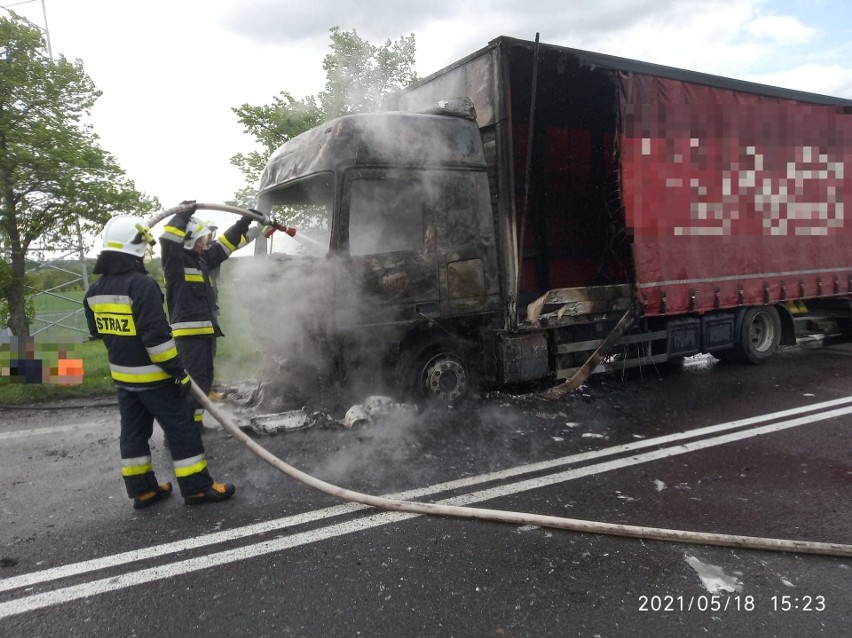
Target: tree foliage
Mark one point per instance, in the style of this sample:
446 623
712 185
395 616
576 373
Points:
271 125
359 75
53 173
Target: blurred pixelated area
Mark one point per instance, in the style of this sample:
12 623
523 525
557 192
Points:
704 161
36 361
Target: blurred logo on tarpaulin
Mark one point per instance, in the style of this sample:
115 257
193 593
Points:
28 361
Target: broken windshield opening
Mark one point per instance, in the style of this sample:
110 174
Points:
307 206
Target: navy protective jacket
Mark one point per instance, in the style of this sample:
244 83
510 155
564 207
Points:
125 309
190 297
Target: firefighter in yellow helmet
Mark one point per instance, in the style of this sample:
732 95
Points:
124 308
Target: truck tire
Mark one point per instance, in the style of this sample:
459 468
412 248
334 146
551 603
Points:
760 334
436 371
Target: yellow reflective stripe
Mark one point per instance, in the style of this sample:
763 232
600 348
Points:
97 300
224 240
138 374
190 466
136 466
114 308
175 231
115 244
163 352
198 418
171 353
193 332
198 278
192 328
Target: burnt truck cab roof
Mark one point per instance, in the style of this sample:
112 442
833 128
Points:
396 139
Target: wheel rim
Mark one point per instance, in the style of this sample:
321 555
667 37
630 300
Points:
761 332
445 377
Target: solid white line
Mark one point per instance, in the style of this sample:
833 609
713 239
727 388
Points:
206 540
552 479
51 430
85 590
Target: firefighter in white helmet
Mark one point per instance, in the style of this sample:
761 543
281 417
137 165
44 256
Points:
124 308
188 258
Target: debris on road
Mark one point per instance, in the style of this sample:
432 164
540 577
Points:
376 408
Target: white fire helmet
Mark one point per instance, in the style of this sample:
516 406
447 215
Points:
126 234
195 230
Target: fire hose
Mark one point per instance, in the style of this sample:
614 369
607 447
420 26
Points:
158 217
518 518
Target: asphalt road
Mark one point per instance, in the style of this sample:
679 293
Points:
761 451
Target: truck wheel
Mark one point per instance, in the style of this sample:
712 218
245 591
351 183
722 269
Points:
760 334
435 372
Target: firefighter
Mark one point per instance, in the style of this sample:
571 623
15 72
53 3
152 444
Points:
125 309
188 259
214 284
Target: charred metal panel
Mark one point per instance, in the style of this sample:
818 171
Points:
466 284
374 139
522 358
474 78
573 302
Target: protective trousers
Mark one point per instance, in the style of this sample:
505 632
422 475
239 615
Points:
197 355
172 411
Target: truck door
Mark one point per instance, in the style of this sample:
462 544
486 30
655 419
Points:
391 242
465 242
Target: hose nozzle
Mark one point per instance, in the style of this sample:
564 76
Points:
284 229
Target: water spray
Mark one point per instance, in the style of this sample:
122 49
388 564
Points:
519 518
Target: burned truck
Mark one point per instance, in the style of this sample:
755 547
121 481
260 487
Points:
537 212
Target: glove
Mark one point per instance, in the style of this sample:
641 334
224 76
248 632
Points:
188 207
184 385
252 233
267 218
242 225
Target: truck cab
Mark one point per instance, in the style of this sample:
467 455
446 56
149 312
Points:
395 210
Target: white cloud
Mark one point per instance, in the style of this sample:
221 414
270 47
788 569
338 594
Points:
781 29
828 80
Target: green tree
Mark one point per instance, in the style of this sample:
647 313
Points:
359 75
52 170
271 125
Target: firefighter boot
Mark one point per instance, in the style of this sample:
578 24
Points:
163 490
213 494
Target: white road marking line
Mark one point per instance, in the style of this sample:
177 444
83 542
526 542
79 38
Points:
130 579
206 540
675 450
18 434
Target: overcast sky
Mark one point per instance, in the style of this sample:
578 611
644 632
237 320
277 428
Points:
172 70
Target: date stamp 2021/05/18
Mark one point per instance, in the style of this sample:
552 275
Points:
734 603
